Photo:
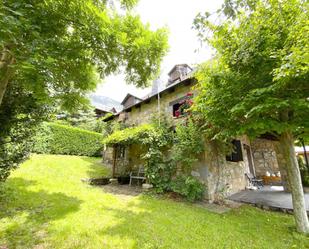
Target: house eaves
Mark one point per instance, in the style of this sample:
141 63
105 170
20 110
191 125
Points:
188 79
128 96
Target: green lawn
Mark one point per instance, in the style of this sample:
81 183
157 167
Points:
45 205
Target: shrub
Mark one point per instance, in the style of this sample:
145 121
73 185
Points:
160 168
20 114
188 144
61 139
189 187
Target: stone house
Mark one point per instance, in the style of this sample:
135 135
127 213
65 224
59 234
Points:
222 175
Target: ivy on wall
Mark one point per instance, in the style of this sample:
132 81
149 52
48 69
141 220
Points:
169 155
130 135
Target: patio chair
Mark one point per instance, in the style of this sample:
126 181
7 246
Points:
140 175
254 181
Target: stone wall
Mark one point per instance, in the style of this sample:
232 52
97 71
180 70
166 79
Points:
224 178
122 164
264 157
220 177
107 155
143 113
134 155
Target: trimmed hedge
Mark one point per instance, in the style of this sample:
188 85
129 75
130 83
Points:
55 138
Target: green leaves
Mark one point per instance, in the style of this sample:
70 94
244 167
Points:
59 49
68 43
130 135
189 187
260 73
54 138
188 144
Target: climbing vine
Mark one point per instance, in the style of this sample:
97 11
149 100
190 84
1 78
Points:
170 153
188 144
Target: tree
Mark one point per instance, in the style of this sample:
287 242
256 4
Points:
20 114
56 47
85 119
258 81
52 53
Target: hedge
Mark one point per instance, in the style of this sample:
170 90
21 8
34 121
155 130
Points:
55 138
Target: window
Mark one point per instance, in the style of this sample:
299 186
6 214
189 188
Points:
236 155
181 105
120 151
176 112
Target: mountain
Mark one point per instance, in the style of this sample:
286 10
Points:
104 103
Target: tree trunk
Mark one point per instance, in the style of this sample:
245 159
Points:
293 173
6 71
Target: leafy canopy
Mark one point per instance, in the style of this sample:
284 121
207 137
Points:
258 81
53 52
60 47
129 135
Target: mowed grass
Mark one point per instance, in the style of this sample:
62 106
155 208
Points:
44 204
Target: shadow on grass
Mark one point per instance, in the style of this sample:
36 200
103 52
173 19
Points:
160 224
132 227
96 167
25 215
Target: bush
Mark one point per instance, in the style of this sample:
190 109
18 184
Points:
61 139
188 144
189 187
20 114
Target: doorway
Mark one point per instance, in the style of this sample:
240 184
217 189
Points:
250 159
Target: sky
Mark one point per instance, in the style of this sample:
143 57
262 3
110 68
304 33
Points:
177 16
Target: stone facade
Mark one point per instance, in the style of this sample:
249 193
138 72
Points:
143 113
264 157
221 177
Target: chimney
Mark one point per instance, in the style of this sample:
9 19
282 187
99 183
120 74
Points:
178 72
155 88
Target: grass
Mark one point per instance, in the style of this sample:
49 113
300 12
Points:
45 205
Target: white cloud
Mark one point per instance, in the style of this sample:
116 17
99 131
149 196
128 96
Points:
177 16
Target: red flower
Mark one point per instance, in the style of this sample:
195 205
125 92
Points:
189 94
177 113
190 102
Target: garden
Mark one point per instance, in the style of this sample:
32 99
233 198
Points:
44 204
54 53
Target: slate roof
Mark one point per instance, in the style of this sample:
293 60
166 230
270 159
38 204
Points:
186 78
128 96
